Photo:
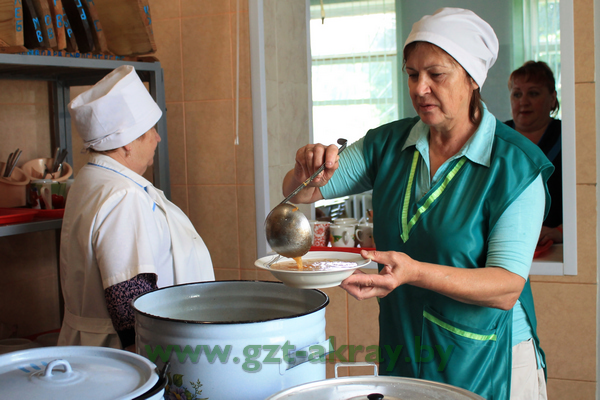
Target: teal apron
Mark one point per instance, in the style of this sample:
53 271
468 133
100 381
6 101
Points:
424 334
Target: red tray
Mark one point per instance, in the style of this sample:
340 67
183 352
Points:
539 250
344 249
50 214
16 215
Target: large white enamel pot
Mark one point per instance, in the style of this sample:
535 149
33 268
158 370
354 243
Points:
233 339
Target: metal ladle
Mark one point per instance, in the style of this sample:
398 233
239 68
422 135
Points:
287 228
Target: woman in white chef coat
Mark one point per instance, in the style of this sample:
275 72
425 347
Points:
120 236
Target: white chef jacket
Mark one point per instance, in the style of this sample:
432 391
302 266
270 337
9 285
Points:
118 225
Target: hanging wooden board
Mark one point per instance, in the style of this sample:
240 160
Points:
32 29
126 26
11 23
69 34
45 20
56 9
100 44
79 23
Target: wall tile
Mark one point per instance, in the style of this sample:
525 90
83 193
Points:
244 68
293 120
176 143
21 265
566 315
24 92
179 196
270 32
586 133
227 274
207 73
25 127
244 152
336 315
584 40
256 274
191 8
167 34
213 213
565 389
210 142
243 5
31 305
247 226
292 63
164 9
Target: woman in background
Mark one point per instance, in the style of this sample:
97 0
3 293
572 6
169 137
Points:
121 237
534 104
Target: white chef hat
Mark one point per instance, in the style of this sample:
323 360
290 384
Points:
115 111
464 35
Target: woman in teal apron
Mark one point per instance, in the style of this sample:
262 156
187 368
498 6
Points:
458 199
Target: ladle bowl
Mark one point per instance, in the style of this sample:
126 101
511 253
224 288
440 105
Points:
287 228
288 231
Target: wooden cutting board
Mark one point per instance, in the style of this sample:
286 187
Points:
33 36
80 24
69 34
127 26
11 23
56 9
100 44
44 15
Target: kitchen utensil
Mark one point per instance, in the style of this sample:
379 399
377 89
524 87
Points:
287 228
374 387
77 372
13 190
246 322
34 169
314 279
10 168
11 23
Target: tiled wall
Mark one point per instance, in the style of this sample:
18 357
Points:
212 179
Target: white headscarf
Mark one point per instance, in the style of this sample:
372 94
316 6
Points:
115 111
464 35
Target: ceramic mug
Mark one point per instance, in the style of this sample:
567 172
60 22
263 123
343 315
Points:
364 235
320 231
346 221
47 194
342 235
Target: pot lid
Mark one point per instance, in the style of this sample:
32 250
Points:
75 372
375 387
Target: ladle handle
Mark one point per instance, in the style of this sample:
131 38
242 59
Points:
304 184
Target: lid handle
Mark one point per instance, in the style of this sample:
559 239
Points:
57 363
356 364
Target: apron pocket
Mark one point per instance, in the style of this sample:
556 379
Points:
456 354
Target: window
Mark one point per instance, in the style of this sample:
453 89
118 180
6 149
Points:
539 39
354 71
